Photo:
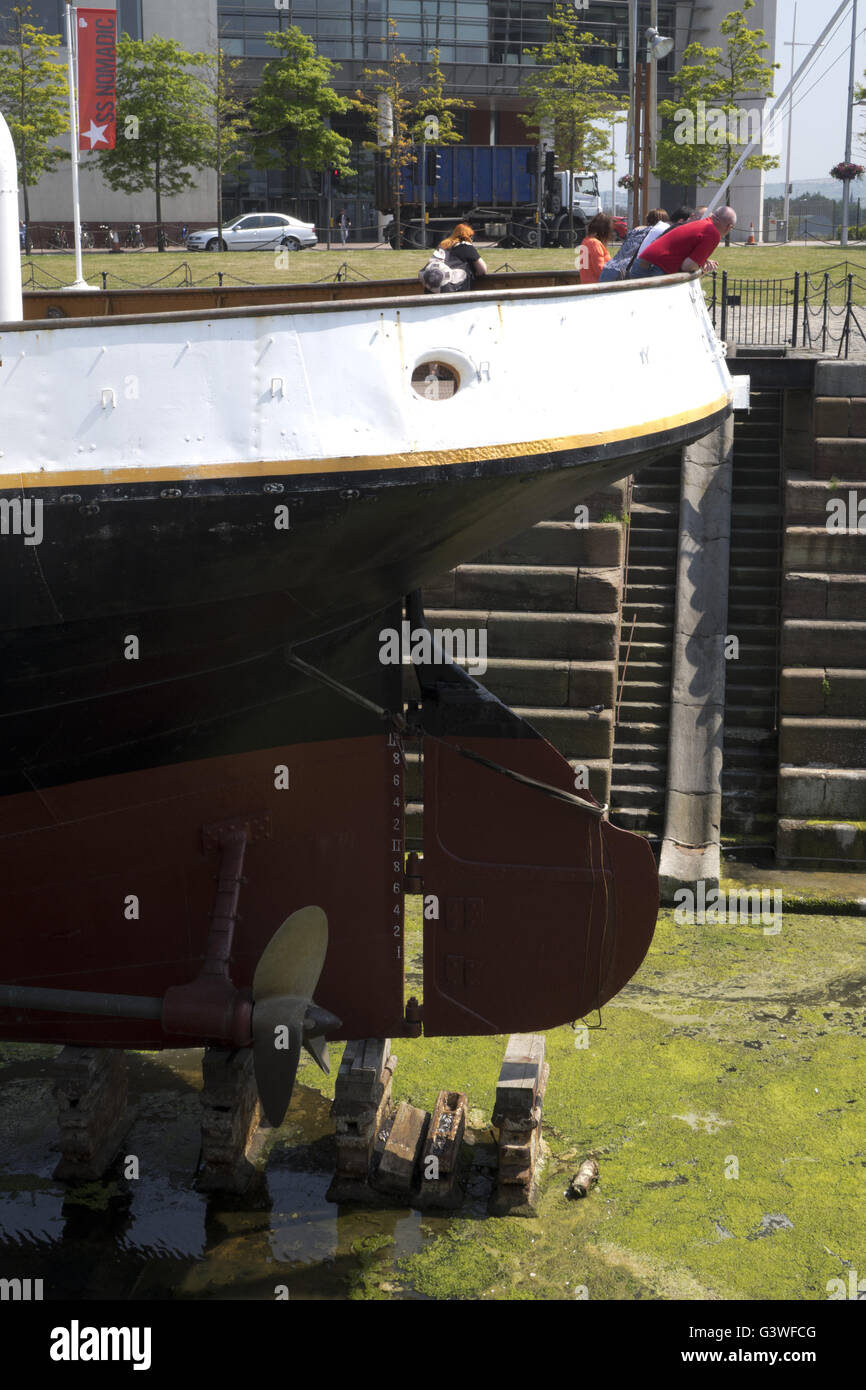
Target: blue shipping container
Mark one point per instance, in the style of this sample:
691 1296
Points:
473 176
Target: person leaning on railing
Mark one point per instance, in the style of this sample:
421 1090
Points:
618 266
686 248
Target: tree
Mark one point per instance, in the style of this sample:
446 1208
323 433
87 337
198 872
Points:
710 124
228 121
432 101
293 107
388 106
34 99
567 95
163 125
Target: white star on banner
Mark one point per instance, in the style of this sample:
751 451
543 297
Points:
96 134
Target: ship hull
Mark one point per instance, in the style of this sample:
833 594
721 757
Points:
219 494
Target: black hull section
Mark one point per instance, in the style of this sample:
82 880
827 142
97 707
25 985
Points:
353 542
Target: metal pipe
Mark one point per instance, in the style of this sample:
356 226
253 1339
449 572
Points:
790 127
79 1001
11 298
846 188
79 283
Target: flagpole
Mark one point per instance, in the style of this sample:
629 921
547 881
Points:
79 283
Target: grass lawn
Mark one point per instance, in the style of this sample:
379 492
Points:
147 267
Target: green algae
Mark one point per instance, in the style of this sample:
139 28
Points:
722 1095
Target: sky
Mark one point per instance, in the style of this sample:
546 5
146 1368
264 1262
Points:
820 96
818 140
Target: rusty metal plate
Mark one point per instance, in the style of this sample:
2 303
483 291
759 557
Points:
544 911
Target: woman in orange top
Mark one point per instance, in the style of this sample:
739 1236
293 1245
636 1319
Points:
593 254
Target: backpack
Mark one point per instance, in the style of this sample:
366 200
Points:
437 274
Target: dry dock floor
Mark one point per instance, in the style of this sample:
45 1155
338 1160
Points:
722 1094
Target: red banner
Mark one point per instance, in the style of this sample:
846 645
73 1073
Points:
97 66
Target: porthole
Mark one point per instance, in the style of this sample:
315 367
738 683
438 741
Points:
435 381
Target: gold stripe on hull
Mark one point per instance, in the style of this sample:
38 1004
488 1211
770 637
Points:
269 468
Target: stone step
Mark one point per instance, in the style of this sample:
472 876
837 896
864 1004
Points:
748 499
605 499
813 548
649 692
640 774
645 820
576 733
839 417
598 545
823 793
739 736
640 734
749 716
815 501
644 712
751 613
738 779
813 642
636 752
830 691
825 842
659 653
839 458
822 742
535 588
538 636
645 797
824 596
753 574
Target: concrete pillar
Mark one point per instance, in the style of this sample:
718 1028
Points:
693 813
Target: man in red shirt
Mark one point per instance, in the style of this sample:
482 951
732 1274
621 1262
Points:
685 248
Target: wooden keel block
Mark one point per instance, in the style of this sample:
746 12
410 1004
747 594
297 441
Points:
362 1109
440 1161
90 1089
520 1077
399 1161
230 1116
518 1116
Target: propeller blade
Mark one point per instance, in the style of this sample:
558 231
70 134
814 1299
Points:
277 1039
318 1050
284 1018
292 961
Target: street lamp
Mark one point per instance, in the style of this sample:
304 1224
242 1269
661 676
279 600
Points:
657 47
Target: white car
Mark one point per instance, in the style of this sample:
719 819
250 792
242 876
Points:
256 231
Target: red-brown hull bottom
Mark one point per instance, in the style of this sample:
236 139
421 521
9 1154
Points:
108 887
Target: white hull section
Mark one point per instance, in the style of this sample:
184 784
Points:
329 387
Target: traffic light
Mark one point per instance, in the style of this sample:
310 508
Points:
433 171
335 175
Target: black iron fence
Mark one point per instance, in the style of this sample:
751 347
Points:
823 311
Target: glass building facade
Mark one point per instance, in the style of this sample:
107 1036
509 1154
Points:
486 48
476 33
48 15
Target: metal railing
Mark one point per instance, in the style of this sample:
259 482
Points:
814 311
